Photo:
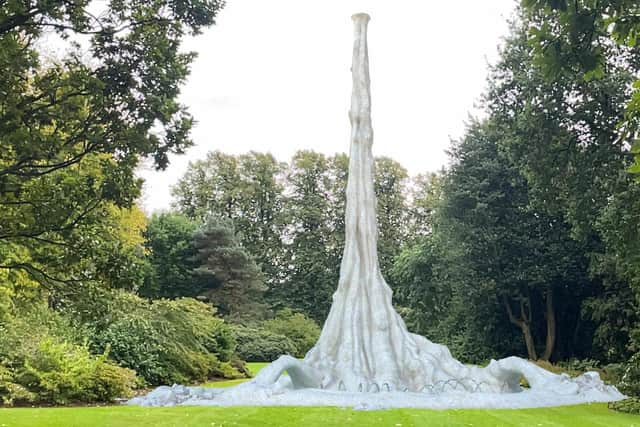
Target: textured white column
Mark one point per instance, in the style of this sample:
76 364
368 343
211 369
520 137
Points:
364 345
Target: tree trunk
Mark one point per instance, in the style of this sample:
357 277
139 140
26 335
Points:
528 340
550 315
524 323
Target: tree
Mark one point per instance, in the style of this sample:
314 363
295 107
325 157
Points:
245 189
425 192
170 243
564 138
519 260
72 131
310 272
390 188
576 37
231 279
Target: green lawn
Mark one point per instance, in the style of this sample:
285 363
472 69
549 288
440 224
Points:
581 415
254 367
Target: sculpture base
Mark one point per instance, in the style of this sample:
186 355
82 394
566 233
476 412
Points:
200 396
272 388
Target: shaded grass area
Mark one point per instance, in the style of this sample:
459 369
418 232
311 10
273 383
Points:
254 368
112 416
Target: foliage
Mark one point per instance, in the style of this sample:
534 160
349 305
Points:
630 383
165 341
244 189
420 288
576 37
62 372
302 331
73 128
630 405
230 277
42 362
255 344
169 241
390 182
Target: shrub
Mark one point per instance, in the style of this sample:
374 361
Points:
61 372
631 405
261 345
166 341
40 362
302 331
630 383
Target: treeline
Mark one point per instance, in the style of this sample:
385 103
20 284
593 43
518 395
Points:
290 218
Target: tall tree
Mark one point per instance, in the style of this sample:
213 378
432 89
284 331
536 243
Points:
309 284
231 279
564 136
71 132
390 180
521 259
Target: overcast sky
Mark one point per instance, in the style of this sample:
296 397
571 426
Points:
274 76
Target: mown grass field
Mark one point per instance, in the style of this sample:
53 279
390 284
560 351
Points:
117 416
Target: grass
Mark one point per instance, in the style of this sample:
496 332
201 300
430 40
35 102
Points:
116 416
254 368
112 416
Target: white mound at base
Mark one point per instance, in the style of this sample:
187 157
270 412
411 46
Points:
262 391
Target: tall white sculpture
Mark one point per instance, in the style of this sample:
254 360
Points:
365 355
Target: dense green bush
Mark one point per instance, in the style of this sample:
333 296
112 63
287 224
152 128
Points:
41 362
165 341
301 330
630 383
261 345
630 405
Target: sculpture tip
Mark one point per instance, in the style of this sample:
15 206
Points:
361 16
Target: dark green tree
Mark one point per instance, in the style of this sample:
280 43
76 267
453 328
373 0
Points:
230 277
564 137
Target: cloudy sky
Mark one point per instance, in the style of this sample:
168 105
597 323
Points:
274 76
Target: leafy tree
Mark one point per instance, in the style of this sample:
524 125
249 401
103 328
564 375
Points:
520 259
576 37
425 191
72 131
309 277
575 167
390 188
170 243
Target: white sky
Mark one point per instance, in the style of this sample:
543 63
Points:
274 76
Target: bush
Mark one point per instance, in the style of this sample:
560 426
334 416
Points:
630 383
261 345
61 372
166 341
41 363
630 406
302 331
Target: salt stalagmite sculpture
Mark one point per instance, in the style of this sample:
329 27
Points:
365 356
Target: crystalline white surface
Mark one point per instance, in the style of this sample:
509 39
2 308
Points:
365 357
